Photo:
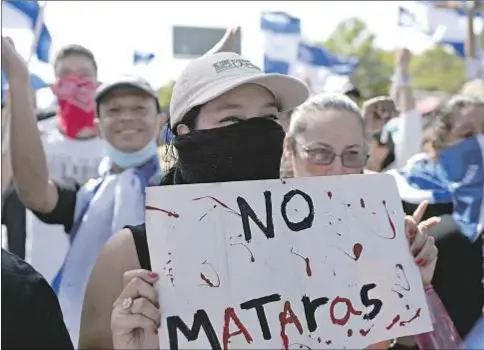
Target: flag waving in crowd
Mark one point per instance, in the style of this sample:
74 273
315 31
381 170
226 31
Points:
146 215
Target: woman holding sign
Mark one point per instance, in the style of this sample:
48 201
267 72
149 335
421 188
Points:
327 137
219 102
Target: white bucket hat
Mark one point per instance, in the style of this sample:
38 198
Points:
210 76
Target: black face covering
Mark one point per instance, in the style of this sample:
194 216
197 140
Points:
248 150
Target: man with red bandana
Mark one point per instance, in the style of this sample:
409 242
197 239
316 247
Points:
72 148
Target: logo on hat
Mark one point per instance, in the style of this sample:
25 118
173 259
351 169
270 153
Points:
230 64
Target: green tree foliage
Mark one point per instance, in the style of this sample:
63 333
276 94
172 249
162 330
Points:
351 38
438 69
435 69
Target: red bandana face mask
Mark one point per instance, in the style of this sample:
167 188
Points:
75 95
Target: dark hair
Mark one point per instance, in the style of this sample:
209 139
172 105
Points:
353 93
190 120
448 114
72 50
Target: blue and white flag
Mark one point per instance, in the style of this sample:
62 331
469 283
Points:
443 25
282 35
322 68
457 178
460 10
140 57
29 15
285 52
36 82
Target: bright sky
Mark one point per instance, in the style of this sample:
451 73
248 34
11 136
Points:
113 30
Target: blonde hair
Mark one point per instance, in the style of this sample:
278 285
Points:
320 103
473 88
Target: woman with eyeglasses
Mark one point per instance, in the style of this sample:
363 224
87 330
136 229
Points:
219 102
326 137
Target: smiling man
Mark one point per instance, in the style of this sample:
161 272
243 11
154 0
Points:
129 121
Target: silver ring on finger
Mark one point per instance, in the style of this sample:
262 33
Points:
127 304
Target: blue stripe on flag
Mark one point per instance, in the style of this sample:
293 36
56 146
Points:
459 47
280 22
318 56
282 35
31 10
142 57
36 82
457 177
275 66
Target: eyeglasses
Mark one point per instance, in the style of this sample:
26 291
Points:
352 158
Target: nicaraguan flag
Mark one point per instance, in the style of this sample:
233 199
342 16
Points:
321 66
286 53
457 177
36 82
142 57
442 24
27 14
460 10
282 34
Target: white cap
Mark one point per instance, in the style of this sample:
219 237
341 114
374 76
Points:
210 76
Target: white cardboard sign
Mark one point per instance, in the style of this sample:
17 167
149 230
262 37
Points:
296 264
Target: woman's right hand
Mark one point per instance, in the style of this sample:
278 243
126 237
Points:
136 315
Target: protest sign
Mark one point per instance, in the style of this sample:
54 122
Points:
296 264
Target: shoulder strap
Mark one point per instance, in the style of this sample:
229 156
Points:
141 244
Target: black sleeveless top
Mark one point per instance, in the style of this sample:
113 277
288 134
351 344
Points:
141 244
139 232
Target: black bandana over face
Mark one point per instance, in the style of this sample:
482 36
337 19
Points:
248 150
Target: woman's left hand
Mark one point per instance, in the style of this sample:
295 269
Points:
422 246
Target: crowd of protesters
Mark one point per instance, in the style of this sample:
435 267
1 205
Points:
82 173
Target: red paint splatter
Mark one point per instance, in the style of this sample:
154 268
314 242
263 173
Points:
393 323
306 260
330 194
392 226
357 249
207 281
328 342
417 315
169 213
230 314
364 332
252 259
219 202
362 203
349 310
286 317
349 333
